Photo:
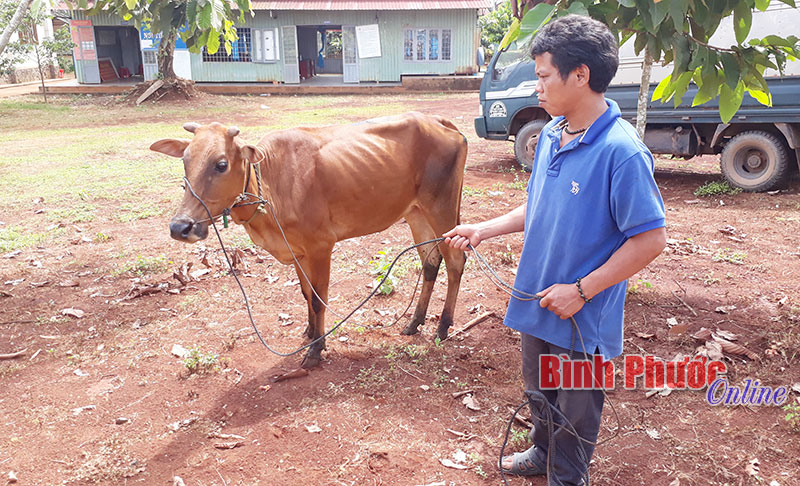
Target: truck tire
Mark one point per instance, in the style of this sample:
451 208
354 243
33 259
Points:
525 142
756 161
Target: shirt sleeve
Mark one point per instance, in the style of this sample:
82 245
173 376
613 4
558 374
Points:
636 203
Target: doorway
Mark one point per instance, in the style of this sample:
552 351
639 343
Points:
321 49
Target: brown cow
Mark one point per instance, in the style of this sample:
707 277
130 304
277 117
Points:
328 184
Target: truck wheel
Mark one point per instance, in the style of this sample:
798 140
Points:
525 142
755 161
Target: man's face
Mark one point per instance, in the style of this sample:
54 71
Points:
556 95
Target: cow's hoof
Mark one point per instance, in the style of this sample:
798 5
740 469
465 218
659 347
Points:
441 333
310 362
410 330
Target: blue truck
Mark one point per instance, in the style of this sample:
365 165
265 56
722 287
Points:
759 147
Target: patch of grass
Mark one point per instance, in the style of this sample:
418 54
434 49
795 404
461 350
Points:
201 362
128 212
78 213
467 191
716 188
639 286
371 377
15 238
730 256
101 237
507 257
241 241
9 106
793 416
518 184
143 265
518 437
379 266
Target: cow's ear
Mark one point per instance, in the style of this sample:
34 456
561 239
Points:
252 153
170 146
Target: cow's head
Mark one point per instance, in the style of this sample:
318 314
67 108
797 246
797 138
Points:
216 167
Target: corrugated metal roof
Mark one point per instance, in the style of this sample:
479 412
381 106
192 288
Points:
370 5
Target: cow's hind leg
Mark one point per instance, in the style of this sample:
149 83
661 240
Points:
422 231
317 268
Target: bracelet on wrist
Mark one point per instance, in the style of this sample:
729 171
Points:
580 290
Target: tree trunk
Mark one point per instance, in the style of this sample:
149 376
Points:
644 93
36 48
12 26
166 54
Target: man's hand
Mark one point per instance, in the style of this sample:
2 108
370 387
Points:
462 236
563 300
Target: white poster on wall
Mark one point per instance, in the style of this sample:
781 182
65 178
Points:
369 41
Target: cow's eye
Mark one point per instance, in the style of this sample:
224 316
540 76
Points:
222 166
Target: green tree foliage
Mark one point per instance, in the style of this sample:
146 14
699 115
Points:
14 52
678 32
208 23
46 52
494 26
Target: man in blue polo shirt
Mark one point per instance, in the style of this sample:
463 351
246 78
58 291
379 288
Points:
594 217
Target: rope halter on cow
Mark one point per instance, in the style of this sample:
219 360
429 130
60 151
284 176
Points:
239 201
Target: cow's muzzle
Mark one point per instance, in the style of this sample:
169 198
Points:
184 228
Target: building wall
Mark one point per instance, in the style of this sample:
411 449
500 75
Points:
387 68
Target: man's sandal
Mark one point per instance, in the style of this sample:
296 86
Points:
525 464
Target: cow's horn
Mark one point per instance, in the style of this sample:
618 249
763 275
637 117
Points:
191 126
233 131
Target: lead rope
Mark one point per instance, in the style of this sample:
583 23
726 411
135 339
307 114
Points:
531 395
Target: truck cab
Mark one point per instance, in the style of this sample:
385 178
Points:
759 147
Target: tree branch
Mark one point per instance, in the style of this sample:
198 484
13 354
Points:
12 26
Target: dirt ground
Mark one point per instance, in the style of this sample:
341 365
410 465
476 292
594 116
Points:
100 398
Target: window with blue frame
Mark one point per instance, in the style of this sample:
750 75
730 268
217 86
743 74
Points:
426 45
241 49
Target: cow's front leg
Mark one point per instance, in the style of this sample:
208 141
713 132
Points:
317 269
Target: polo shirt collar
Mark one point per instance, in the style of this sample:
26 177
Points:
601 124
596 128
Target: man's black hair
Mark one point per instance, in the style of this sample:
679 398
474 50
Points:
574 40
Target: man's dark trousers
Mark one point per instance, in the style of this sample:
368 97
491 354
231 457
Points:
583 408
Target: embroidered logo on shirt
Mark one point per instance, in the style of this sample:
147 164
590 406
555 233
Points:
575 188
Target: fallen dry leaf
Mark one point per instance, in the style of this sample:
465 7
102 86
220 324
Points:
726 335
199 273
645 335
313 428
678 329
671 321
796 387
470 402
72 312
703 334
734 348
68 283
752 467
217 435
228 445
653 433
452 465
179 351
725 309
711 350
176 426
182 274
